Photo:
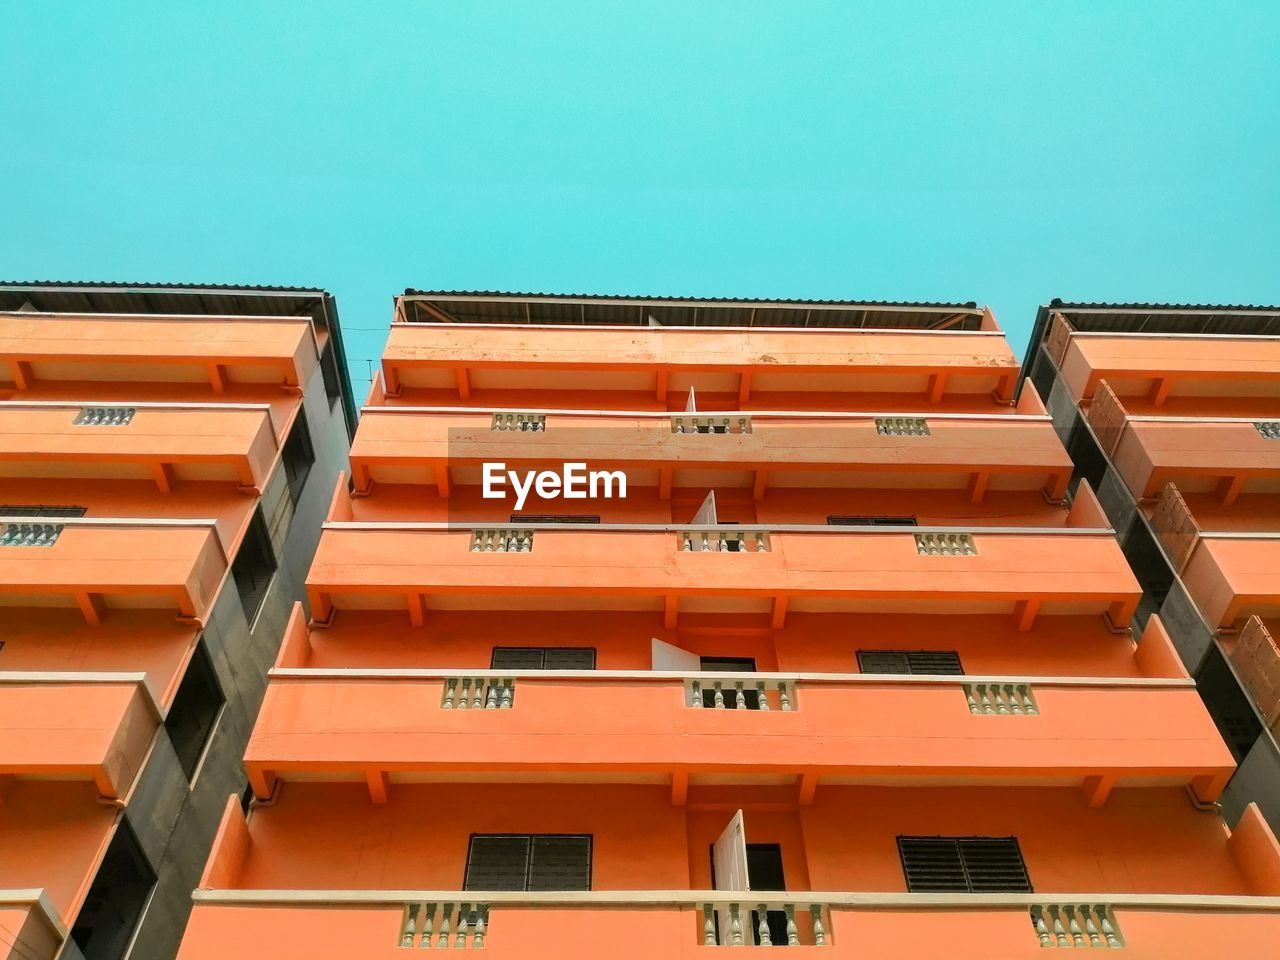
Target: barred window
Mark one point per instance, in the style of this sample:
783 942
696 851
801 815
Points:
963 865
506 861
927 662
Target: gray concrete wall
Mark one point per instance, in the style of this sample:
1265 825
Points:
175 820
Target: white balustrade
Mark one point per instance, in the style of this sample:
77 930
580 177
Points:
29 534
805 924
945 545
1076 925
520 422
902 427
501 541
442 926
105 416
1009 699
478 693
1270 429
710 423
739 693
724 541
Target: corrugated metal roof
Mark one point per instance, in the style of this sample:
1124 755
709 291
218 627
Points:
186 299
1058 304
605 298
478 306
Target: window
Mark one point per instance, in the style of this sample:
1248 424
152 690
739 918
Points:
298 455
254 566
195 710
963 865
854 520
329 371
116 899
1228 704
553 518
39 510
543 658
505 861
910 661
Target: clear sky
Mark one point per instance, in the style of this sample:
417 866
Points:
1002 152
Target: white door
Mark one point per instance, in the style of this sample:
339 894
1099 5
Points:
730 859
707 512
667 656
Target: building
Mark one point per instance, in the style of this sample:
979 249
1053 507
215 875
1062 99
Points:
845 669
167 456
1173 414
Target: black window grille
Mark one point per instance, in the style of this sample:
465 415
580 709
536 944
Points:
543 658
39 510
925 662
553 518
858 520
963 865
504 861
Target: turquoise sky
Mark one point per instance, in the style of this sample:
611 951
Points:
1003 152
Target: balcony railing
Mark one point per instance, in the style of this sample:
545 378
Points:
385 924
128 348
739 360
1225 455
164 442
1256 658
30 927
1152 367
962 451
98 563
116 718
1023 570
1230 575
688 724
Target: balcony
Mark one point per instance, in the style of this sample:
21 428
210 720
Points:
1230 575
170 443
976 452
1153 368
669 361
115 717
1023 571
1227 456
30 928
645 924
687 728
222 352
100 564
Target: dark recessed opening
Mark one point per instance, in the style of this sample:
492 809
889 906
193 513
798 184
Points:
116 899
195 710
253 567
299 455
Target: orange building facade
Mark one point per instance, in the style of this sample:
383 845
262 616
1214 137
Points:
851 668
1173 413
166 457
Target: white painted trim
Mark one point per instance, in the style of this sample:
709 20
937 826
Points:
37 898
709 328
648 898
824 529
112 521
665 676
1102 334
152 317
485 412
137 405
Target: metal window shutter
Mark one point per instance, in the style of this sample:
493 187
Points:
570 658
497 863
517 658
994 865
932 865
935 662
40 510
560 863
883 661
